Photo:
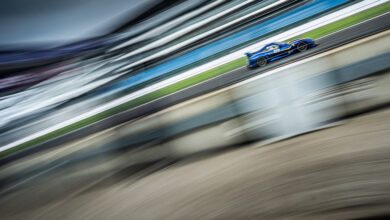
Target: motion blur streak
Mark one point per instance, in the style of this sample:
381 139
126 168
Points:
132 81
162 119
194 27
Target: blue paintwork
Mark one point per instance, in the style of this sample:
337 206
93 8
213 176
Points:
281 50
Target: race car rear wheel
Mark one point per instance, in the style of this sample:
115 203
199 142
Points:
302 46
261 61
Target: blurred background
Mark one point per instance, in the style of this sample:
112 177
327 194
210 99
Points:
128 109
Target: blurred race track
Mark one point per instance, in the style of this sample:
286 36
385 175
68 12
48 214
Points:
337 173
168 124
339 38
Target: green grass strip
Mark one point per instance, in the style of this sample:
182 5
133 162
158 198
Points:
317 33
346 22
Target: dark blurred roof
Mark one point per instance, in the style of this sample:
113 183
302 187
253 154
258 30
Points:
161 7
47 23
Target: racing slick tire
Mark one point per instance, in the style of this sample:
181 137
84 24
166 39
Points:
261 61
302 46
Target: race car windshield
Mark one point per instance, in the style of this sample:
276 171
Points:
269 47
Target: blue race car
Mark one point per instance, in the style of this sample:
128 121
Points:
275 51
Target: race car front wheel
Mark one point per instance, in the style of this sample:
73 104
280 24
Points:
302 46
261 61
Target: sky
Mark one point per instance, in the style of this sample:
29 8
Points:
41 22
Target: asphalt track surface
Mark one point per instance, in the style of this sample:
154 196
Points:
341 172
339 38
